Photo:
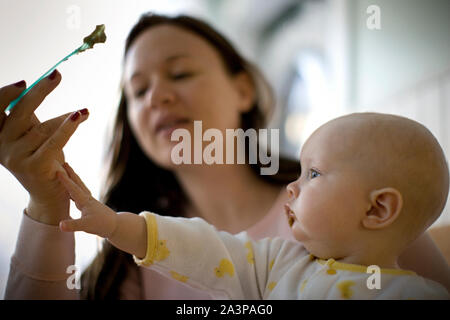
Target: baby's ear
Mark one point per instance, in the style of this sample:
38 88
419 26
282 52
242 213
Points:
385 206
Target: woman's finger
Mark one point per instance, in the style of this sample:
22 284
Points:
58 140
10 92
34 138
24 110
50 126
75 178
7 94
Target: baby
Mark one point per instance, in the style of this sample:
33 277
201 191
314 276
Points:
370 185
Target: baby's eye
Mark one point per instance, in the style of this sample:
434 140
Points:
313 174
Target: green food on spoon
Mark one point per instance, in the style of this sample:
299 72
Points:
97 36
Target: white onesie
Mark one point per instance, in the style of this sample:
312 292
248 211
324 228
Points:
237 267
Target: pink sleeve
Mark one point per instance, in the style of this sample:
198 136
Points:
39 263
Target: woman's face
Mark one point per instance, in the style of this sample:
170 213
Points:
173 77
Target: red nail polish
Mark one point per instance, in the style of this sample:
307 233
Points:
52 75
75 116
84 111
20 84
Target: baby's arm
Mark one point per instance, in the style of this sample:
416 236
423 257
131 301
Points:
189 250
228 266
126 231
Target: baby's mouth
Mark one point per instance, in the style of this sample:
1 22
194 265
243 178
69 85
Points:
290 215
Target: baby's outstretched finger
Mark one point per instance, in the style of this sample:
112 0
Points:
75 178
77 194
72 225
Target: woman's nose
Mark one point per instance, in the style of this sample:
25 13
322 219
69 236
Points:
160 95
293 190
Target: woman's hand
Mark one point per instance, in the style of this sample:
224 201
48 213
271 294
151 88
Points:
32 151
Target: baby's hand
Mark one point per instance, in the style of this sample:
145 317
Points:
96 218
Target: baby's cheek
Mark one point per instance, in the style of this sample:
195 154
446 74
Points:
311 214
298 233
308 227
321 229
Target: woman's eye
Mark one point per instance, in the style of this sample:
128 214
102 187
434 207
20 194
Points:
314 174
139 93
181 75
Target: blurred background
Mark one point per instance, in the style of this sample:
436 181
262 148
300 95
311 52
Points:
324 58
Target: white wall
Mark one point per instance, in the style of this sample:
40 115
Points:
403 68
412 44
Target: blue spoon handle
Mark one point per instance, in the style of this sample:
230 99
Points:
14 102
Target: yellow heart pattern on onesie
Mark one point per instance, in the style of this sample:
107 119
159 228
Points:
225 266
271 285
344 287
250 257
178 276
161 250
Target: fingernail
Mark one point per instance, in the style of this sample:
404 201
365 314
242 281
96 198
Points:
52 75
84 111
75 116
20 84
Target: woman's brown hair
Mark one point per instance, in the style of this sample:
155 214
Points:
128 167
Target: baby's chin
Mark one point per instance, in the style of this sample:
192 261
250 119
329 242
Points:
308 243
320 250
312 249
299 233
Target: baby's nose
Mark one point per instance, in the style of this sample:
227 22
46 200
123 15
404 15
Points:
292 190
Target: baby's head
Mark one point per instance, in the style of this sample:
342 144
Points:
367 180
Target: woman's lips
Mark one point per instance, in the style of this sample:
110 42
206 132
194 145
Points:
166 129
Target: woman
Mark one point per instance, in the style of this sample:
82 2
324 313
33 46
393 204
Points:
176 70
